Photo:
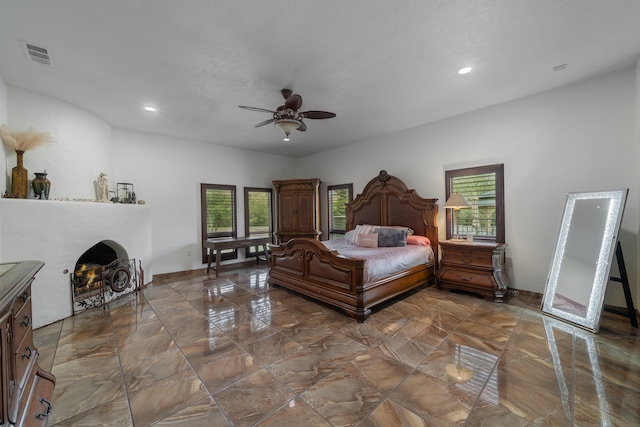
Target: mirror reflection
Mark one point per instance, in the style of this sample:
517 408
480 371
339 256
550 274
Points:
581 263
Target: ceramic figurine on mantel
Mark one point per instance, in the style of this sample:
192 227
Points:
102 187
21 142
41 186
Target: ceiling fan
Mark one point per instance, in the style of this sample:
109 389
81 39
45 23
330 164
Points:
287 118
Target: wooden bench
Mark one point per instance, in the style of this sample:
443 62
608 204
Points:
222 243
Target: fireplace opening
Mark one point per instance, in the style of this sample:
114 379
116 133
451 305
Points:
101 273
100 254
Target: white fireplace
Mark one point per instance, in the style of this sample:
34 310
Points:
58 233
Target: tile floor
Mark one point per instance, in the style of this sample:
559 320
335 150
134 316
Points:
231 351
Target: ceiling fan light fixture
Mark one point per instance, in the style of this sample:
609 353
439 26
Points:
287 126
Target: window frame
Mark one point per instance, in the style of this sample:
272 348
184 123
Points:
253 250
330 188
498 170
227 254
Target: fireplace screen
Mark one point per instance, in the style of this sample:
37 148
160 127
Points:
94 285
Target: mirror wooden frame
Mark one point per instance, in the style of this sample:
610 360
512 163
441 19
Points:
607 235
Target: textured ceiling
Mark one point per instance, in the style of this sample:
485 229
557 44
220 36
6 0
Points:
381 66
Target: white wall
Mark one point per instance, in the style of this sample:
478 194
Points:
637 167
576 138
81 150
3 152
167 173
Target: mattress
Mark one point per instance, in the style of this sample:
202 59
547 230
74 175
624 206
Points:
381 262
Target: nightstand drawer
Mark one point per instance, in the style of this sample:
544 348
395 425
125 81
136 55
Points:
469 257
468 278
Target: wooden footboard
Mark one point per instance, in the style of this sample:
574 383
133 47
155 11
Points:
308 267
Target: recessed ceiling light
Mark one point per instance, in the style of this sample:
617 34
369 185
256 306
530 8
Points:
464 70
150 109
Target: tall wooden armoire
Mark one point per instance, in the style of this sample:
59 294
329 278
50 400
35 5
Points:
298 209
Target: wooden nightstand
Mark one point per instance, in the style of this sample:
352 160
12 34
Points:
474 267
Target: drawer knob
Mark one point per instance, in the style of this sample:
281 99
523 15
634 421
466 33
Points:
47 409
28 353
24 296
26 322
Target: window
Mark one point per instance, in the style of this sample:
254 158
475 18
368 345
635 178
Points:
218 214
258 214
483 187
338 196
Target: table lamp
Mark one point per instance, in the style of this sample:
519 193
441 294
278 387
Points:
456 202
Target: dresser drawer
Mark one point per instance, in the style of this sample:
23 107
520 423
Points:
21 299
22 322
24 355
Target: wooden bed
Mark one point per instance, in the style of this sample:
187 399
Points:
308 267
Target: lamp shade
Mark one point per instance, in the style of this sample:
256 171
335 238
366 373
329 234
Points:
456 201
287 125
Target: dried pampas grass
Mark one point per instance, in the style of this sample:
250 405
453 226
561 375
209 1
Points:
25 140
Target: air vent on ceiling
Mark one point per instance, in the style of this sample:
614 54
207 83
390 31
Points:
40 54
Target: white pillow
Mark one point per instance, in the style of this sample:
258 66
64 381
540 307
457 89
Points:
349 235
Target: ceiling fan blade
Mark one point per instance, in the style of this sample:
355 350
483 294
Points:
266 122
286 93
317 115
293 102
261 110
302 127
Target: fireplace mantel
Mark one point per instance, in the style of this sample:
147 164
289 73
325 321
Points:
58 233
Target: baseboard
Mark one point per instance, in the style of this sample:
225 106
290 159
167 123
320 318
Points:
185 274
521 292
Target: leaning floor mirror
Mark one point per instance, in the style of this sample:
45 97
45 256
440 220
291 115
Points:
582 259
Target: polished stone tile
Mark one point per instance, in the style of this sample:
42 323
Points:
80 388
531 402
554 373
253 398
272 348
390 413
113 413
166 397
144 372
98 347
222 371
203 350
293 413
205 413
384 374
436 401
596 398
343 398
231 351
131 351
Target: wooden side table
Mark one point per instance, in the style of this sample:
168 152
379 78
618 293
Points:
474 267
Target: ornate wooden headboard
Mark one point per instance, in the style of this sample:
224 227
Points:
386 200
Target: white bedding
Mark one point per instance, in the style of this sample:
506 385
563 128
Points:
381 262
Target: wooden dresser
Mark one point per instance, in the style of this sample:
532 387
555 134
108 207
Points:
473 267
298 209
26 389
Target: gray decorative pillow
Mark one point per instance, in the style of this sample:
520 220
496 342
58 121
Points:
391 237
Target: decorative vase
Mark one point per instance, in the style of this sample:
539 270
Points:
41 185
19 178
